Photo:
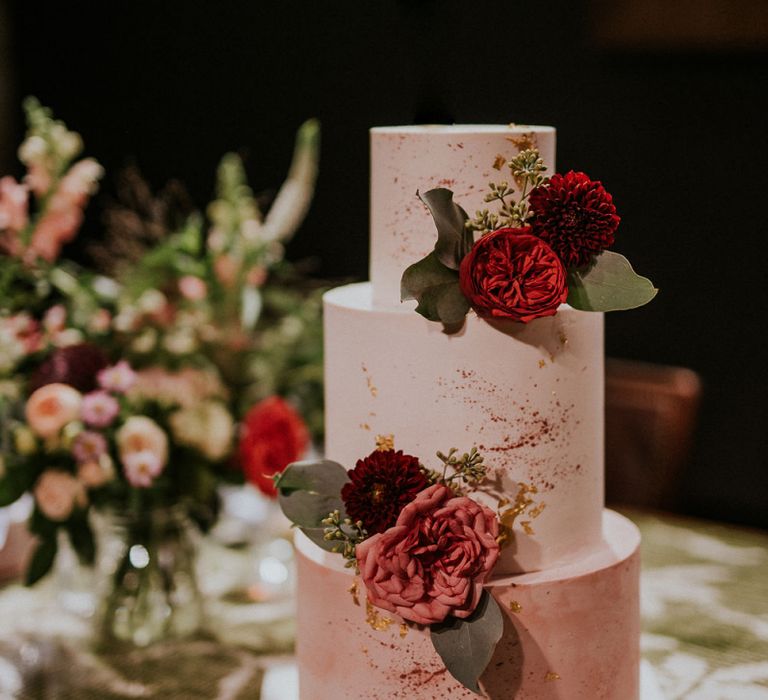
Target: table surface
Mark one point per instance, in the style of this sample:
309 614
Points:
705 631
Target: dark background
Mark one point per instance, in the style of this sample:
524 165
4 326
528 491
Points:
672 121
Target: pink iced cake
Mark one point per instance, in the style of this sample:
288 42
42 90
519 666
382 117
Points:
529 396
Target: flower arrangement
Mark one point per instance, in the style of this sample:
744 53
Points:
422 547
188 362
547 244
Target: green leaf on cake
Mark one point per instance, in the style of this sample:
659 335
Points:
308 492
436 289
609 284
466 646
453 238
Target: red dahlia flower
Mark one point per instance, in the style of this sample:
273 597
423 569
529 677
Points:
511 274
575 215
380 486
273 435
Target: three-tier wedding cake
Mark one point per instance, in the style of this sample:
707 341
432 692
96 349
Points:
529 397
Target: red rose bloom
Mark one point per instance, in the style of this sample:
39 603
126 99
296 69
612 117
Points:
380 486
511 274
273 435
434 561
575 215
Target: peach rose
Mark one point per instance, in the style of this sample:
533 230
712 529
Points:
95 473
51 407
57 493
142 434
433 562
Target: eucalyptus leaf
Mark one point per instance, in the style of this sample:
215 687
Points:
436 289
466 646
308 491
14 483
81 536
609 284
453 238
42 560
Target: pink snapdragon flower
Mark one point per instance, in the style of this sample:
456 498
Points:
99 409
14 214
118 378
88 446
51 407
142 468
57 493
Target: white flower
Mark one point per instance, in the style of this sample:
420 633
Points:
207 427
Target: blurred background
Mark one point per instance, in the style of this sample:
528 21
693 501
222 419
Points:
665 102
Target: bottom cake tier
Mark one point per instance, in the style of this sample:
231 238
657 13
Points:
570 632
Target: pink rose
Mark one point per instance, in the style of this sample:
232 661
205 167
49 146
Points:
88 446
119 378
51 407
100 409
95 474
433 562
142 434
57 493
192 288
141 468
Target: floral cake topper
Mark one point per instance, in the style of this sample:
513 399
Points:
547 244
421 546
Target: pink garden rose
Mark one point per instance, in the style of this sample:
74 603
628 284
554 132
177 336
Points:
118 378
57 493
51 407
141 468
142 434
100 409
433 562
88 446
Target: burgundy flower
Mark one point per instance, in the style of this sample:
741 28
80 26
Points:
434 561
575 215
380 486
511 274
76 365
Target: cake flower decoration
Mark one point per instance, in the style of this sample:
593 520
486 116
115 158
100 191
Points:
547 244
423 548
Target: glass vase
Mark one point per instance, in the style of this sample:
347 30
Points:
149 586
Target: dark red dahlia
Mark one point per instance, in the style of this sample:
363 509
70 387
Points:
575 215
380 486
76 365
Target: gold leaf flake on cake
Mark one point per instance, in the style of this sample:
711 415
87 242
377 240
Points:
563 338
515 607
354 589
365 426
542 364
375 619
403 630
552 676
369 381
499 162
524 142
384 443
521 505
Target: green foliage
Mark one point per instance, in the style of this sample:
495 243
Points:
42 560
436 289
608 284
453 238
466 645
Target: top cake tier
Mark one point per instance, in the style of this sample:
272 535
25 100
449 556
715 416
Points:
407 159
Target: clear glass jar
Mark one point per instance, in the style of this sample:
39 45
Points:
149 588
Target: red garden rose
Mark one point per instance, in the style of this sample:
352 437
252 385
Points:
273 435
380 486
575 215
511 274
433 562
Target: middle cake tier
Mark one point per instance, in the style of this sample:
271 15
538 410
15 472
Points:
529 397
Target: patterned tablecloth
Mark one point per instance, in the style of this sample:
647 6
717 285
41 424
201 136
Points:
704 601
